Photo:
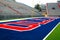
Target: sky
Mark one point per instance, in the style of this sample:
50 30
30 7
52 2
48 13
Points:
34 2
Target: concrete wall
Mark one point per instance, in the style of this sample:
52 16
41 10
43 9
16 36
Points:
53 9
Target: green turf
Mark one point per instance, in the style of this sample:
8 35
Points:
55 35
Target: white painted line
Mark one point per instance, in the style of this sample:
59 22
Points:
15 19
51 31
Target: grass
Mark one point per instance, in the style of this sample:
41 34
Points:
55 35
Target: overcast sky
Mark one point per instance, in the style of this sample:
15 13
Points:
33 2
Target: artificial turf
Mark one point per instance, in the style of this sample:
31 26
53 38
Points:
55 35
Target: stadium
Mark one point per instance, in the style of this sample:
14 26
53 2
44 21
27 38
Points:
25 25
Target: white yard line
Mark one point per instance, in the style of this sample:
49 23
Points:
51 31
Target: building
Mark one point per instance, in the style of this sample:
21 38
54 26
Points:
53 9
43 8
11 9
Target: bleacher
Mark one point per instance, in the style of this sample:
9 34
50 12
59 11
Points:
12 9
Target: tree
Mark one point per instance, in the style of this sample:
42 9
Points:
37 6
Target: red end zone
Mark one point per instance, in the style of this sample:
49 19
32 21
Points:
30 25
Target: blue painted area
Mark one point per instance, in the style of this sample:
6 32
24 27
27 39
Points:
38 19
18 25
35 20
36 34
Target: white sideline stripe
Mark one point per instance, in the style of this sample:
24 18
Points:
23 19
15 19
51 31
18 19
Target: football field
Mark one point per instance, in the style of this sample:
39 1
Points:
55 33
30 29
